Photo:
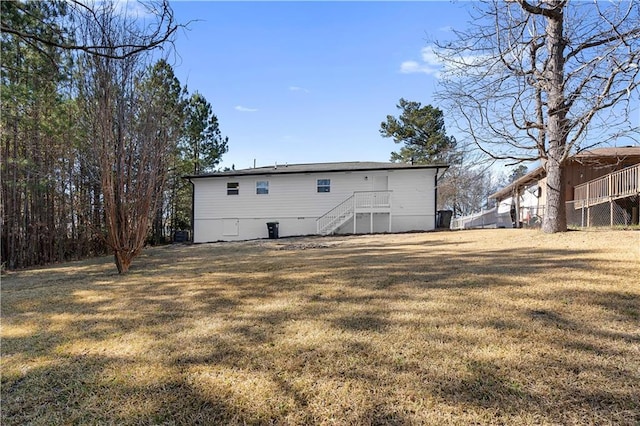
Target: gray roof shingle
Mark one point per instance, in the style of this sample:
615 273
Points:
319 168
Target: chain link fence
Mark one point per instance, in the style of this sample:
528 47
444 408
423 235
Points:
622 212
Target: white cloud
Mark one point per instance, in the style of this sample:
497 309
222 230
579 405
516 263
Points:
244 109
133 9
298 89
430 63
411 67
429 56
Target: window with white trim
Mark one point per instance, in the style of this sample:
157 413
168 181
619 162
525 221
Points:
233 188
262 187
324 185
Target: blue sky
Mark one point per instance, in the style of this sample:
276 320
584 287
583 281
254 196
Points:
304 82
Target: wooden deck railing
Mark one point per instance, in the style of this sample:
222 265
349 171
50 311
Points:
376 200
620 184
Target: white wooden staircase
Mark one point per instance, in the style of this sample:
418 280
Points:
360 202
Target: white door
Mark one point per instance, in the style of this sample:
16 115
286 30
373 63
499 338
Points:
383 221
230 227
380 183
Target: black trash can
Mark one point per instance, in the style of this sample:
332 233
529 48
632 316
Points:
444 219
273 229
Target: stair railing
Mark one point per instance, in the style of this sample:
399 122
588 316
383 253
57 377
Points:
333 218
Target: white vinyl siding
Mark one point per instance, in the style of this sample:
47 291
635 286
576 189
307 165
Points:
293 201
230 227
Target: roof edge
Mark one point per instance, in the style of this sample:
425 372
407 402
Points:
339 167
588 155
529 177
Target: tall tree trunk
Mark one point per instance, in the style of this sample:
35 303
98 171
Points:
555 218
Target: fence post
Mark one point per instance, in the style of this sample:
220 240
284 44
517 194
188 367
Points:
610 193
588 206
610 212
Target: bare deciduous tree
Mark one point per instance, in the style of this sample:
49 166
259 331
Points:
542 80
130 145
88 132
466 185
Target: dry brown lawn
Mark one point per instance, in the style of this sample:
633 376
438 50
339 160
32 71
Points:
475 327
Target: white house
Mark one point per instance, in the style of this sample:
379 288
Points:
306 199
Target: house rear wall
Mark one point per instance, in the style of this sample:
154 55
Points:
294 202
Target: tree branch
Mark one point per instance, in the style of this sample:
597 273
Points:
555 12
163 32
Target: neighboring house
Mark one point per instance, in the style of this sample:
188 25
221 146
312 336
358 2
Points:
611 173
306 199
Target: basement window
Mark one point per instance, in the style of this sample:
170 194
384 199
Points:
262 187
233 188
324 185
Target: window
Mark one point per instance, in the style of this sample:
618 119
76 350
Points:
324 185
262 187
233 188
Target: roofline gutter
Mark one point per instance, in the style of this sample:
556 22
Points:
281 170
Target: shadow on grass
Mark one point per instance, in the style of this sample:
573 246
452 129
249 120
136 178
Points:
357 335
80 390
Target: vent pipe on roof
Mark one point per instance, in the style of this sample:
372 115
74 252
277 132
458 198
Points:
276 165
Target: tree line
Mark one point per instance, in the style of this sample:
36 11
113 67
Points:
96 130
96 133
